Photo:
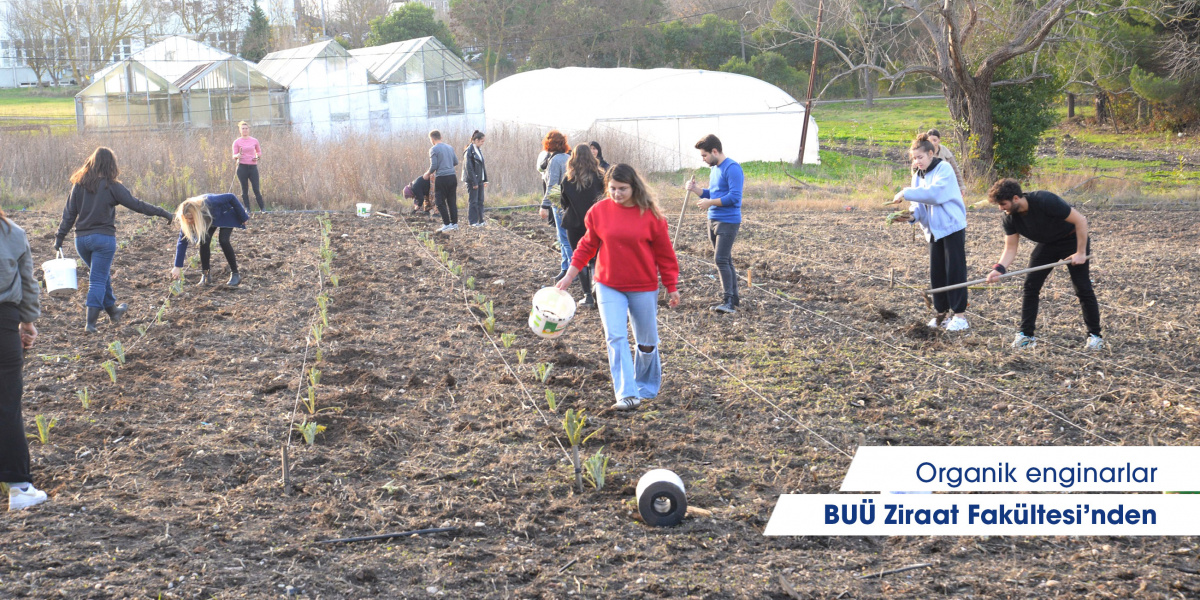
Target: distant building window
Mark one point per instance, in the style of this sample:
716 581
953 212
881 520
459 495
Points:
445 98
383 93
8 54
339 117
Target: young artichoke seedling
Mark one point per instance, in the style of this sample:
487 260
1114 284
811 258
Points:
117 350
595 469
110 367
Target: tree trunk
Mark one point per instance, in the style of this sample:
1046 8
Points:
971 112
1070 105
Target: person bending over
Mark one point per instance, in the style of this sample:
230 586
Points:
198 219
1059 232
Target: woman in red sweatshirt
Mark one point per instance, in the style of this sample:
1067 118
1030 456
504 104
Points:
627 233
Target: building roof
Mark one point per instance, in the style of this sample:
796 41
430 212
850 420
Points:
285 66
420 59
183 63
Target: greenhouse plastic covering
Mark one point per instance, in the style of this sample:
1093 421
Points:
664 110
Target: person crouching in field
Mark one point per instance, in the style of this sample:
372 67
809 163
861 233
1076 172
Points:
581 187
198 218
937 206
418 192
91 212
627 233
1060 232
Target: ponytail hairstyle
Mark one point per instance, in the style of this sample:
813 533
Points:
102 164
642 198
582 167
193 218
4 221
478 135
922 143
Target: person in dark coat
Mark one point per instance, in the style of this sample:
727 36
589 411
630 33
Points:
582 185
91 211
198 219
418 191
599 154
475 176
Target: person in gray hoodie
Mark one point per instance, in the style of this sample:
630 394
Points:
937 206
19 308
91 211
442 161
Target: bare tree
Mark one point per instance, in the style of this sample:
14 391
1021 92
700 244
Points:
352 19
495 27
90 33
871 27
29 38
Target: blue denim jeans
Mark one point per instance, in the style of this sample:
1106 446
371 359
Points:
637 374
97 251
563 240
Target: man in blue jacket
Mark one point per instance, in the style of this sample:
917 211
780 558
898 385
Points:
723 199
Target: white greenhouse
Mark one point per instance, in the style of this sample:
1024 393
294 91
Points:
179 83
329 91
422 86
659 113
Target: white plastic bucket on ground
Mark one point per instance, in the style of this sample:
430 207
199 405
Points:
60 276
362 209
552 310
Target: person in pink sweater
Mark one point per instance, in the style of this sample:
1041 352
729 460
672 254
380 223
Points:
627 233
247 152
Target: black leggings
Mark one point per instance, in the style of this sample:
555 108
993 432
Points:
14 450
948 266
1081 280
226 247
249 174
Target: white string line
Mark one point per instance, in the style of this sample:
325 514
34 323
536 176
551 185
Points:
715 361
924 361
900 283
467 304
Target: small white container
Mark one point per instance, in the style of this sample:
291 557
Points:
362 209
552 310
60 276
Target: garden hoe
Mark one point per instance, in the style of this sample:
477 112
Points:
686 195
928 294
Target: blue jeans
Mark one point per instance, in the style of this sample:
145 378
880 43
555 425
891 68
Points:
97 251
563 240
636 375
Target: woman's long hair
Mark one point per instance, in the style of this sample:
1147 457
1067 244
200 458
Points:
582 167
642 198
102 164
4 220
556 142
193 218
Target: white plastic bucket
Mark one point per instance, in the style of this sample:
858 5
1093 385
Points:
60 276
552 310
362 209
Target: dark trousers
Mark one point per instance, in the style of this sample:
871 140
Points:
1081 280
948 266
475 204
14 450
226 248
445 191
248 174
576 234
722 236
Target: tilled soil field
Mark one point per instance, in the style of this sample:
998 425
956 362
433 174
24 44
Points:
169 484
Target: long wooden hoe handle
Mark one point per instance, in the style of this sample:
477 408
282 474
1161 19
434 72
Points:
1004 276
679 224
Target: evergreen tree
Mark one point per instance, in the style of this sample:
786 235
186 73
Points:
256 43
412 20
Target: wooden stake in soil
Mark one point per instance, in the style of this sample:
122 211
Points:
683 209
287 473
892 279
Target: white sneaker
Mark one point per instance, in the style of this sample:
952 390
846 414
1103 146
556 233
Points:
21 498
627 403
445 228
1094 343
1023 341
956 324
453 226
934 324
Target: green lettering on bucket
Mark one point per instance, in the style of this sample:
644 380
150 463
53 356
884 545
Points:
550 327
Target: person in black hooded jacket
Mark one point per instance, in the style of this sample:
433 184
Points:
582 185
91 211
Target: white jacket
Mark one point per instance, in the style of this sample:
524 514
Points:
936 202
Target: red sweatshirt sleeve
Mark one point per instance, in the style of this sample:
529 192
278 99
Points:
588 245
664 255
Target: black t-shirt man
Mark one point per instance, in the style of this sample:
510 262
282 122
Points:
1060 232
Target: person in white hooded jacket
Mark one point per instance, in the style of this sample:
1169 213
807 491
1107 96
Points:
937 207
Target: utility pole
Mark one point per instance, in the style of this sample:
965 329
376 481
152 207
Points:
812 76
